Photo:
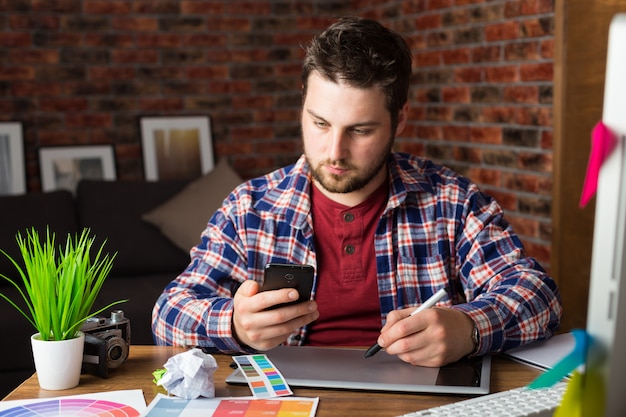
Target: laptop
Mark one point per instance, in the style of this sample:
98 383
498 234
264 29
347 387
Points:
345 368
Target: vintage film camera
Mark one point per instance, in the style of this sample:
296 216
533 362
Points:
107 343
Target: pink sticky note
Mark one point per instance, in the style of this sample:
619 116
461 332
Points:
602 144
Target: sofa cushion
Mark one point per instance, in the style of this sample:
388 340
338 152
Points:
37 210
113 209
183 217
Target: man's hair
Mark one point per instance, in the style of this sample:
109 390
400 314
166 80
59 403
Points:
364 54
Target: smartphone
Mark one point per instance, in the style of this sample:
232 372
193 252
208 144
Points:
300 277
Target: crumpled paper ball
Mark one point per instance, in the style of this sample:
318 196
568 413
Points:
189 375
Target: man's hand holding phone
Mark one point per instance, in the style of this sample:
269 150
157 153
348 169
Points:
264 318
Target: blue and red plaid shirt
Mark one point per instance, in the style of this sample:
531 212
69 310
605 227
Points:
437 229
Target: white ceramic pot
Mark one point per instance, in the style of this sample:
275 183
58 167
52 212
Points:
58 363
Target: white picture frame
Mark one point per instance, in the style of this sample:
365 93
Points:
12 170
177 147
62 167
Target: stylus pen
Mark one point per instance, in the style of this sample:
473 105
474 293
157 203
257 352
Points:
436 297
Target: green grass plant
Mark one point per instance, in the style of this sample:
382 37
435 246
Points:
60 284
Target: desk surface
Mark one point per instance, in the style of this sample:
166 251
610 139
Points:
137 373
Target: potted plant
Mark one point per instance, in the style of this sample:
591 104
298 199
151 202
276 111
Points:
59 287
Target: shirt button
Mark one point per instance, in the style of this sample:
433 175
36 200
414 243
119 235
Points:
349 249
348 217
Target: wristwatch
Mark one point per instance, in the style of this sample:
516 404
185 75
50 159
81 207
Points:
475 340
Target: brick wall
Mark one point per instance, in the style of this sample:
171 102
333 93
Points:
80 72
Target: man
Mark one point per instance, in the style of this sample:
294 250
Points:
383 230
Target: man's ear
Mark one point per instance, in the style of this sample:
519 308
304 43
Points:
403 116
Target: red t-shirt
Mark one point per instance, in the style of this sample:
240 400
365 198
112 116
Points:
347 289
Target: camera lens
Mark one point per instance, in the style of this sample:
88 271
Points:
117 351
288 277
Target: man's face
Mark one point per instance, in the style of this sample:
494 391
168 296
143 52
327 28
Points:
347 137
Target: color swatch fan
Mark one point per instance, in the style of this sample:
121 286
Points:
71 407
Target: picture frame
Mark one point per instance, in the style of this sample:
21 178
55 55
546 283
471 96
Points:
177 147
12 168
62 167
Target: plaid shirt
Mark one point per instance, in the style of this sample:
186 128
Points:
437 229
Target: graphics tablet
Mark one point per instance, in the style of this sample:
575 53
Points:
339 368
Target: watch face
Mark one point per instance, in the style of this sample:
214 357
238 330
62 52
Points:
475 337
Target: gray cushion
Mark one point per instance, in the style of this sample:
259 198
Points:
183 217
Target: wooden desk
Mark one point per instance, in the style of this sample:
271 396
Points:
137 373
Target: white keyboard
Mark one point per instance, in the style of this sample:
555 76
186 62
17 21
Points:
517 402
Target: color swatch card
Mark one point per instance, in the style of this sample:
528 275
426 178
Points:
264 380
164 406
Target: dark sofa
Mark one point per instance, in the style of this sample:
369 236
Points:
146 260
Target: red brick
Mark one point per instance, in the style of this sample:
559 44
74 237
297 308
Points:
161 104
58 6
535 161
144 56
521 51
438 4
427 59
106 6
539 251
14 73
466 154
212 72
203 40
501 74
258 102
430 132
455 94
547 48
35 89
546 139
484 176
110 41
524 226
502 31
271 116
83 120
156 6
141 24
34 56
30 22
258 8
219 23
62 104
490 53
201 7
534 28
537 72
457 133
159 40
65 137
112 73
468 75
15 40
499 114
431 21
456 56
484 134
521 94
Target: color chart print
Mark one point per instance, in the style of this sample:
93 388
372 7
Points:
163 406
71 407
262 376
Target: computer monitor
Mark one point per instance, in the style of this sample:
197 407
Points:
606 317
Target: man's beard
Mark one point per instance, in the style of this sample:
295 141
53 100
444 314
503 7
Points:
343 184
